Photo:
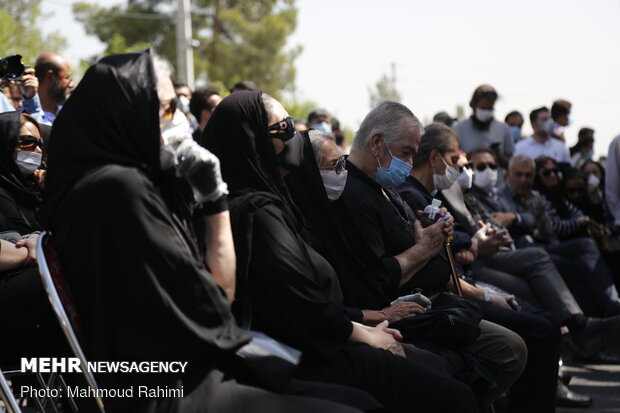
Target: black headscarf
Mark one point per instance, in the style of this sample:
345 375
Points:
112 117
140 289
12 180
323 230
237 134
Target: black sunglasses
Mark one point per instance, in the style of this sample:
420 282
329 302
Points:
28 142
484 165
283 130
548 171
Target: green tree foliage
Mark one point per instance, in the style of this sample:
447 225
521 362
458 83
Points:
237 39
300 109
385 89
19 33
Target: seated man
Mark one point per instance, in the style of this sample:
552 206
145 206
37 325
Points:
434 170
583 253
403 253
526 218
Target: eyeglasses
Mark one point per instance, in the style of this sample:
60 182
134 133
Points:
484 165
574 190
339 166
65 77
283 130
28 143
546 172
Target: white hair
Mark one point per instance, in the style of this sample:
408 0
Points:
390 119
318 139
521 159
162 69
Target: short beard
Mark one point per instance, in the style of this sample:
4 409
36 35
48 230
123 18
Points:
57 94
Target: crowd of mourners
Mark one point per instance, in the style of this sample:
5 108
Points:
425 268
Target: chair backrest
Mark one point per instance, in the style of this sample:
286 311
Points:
60 297
7 396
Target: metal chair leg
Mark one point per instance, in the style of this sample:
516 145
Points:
7 396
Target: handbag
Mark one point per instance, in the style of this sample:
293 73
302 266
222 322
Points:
269 363
452 321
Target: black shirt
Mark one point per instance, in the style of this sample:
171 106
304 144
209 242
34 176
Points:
415 194
382 231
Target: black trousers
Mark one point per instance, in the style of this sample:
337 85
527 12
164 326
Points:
28 323
535 390
401 385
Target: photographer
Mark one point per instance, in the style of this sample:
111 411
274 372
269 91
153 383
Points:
19 92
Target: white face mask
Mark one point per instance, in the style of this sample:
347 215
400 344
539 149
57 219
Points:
593 181
334 183
484 115
486 179
465 178
446 180
175 130
547 127
28 162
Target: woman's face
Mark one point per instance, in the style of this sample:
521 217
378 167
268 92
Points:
28 129
591 168
276 114
330 155
549 174
574 188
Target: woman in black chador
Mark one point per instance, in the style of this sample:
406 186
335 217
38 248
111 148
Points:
289 291
119 223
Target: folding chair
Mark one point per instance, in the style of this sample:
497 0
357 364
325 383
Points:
60 298
6 394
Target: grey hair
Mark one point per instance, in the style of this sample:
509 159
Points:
437 136
162 69
390 119
268 103
521 159
318 139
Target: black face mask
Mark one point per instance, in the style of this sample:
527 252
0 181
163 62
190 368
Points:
283 130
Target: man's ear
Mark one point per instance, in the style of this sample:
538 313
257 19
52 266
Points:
375 144
432 156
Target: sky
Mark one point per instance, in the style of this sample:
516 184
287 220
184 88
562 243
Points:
531 51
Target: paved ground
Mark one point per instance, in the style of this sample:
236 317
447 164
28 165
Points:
601 382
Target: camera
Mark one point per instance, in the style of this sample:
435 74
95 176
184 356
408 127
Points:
11 67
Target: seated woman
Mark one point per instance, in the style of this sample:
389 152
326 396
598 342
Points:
119 223
20 178
292 292
568 221
593 201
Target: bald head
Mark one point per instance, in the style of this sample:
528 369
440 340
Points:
50 61
55 83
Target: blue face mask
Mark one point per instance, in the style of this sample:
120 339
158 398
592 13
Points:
323 127
515 132
395 174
